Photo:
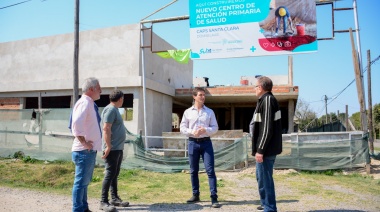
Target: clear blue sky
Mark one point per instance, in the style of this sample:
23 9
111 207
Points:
326 72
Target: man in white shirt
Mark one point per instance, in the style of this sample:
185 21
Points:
199 123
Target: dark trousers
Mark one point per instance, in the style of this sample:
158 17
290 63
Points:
205 150
113 163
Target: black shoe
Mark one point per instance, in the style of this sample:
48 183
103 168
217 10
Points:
118 202
193 199
105 206
260 208
215 203
87 210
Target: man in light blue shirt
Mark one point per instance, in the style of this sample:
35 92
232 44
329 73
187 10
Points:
199 123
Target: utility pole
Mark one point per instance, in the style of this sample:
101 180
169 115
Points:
370 124
76 55
359 85
40 121
326 107
347 118
359 54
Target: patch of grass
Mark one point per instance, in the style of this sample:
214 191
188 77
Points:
138 185
220 184
333 186
151 187
35 175
28 159
95 179
128 174
330 172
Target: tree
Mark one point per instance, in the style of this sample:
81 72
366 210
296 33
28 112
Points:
376 113
306 117
333 116
355 119
376 119
342 117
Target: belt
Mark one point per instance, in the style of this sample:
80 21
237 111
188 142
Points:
199 139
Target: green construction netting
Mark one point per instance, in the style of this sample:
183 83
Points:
50 139
228 157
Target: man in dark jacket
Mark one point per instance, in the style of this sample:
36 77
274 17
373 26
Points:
266 141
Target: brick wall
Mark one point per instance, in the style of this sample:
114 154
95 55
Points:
238 90
9 103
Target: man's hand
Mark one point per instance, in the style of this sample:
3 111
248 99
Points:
88 145
199 131
259 158
106 152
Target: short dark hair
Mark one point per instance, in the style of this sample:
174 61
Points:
265 83
197 89
116 95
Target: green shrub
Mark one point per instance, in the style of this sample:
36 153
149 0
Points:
28 159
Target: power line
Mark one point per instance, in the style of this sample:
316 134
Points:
339 93
14 4
315 101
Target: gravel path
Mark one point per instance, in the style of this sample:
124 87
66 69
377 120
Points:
245 199
18 200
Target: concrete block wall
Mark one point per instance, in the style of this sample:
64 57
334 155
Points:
319 144
322 137
179 141
166 72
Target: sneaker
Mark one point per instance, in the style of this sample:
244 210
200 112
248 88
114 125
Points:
118 202
105 206
193 199
214 202
87 210
260 208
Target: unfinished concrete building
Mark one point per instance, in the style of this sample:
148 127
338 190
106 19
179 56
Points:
42 68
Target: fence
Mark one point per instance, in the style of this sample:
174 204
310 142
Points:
47 138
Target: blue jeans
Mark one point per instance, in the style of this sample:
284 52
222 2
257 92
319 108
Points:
264 176
84 167
113 163
205 150
284 21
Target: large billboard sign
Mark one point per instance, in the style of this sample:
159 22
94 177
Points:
245 28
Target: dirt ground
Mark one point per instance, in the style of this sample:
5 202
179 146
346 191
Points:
246 198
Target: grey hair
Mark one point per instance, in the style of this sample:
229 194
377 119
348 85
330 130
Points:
266 83
88 83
